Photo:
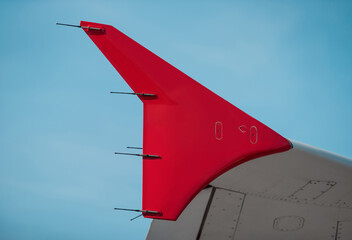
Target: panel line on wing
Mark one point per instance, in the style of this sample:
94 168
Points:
206 212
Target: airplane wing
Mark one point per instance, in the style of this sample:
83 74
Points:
303 193
217 171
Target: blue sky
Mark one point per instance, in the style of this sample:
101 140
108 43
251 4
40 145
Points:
286 63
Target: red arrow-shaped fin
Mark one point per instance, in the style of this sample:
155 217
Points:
197 134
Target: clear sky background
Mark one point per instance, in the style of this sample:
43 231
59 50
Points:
286 63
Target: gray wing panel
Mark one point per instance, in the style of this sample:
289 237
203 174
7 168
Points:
304 193
188 224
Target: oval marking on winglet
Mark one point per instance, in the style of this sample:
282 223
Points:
253 134
218 130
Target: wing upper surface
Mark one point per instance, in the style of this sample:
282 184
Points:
303 193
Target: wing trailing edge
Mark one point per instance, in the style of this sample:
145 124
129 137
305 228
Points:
197 134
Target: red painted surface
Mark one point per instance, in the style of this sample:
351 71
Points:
179 126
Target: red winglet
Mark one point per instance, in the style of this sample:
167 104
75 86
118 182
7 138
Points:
197 134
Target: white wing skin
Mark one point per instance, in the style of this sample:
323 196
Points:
303 193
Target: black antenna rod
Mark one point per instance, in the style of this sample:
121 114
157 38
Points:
136 217
69 25
134 147
139 155
79 26
137 210
140 94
